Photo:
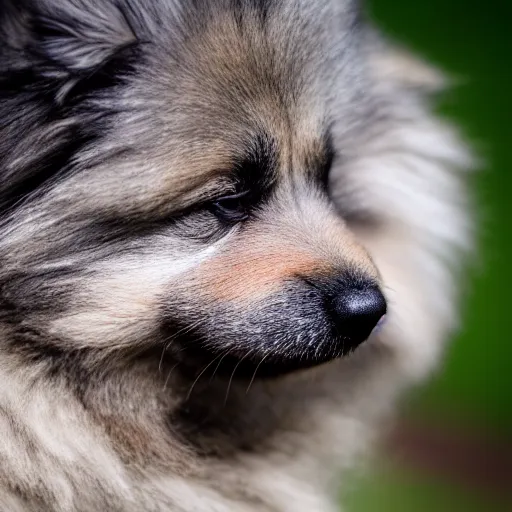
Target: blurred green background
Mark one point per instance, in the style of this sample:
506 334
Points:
453 447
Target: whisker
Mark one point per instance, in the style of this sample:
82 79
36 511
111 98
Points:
225 353
169 339
232 375
164 349
254 374
199 376
169 376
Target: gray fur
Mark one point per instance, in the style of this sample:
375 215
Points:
119 121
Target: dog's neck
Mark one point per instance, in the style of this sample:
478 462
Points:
142 416
152 408
148 405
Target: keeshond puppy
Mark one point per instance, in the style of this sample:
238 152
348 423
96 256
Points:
228 237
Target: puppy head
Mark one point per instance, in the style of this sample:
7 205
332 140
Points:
165 180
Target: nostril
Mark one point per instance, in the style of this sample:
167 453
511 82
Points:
357 312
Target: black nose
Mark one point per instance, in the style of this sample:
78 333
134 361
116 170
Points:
356 312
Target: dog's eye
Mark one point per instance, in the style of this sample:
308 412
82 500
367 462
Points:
231 209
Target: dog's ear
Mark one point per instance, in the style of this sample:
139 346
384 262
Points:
76 34
55 57
80 35
62 40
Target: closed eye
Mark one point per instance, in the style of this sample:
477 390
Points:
231 209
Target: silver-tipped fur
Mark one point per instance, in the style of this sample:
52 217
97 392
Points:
189 192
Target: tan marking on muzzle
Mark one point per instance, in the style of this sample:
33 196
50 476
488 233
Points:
254 275
257 267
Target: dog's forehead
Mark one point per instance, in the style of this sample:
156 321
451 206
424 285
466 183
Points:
259 151
235 88
249 92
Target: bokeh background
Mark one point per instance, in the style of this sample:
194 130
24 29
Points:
452 448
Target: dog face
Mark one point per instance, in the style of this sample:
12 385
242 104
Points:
166 180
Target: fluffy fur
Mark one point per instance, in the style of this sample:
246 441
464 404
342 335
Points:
182 183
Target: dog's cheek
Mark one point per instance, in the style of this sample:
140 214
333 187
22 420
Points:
121 305
111 312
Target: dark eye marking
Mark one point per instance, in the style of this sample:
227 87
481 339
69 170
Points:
326 162
319 161
231 209
256 171
254 176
